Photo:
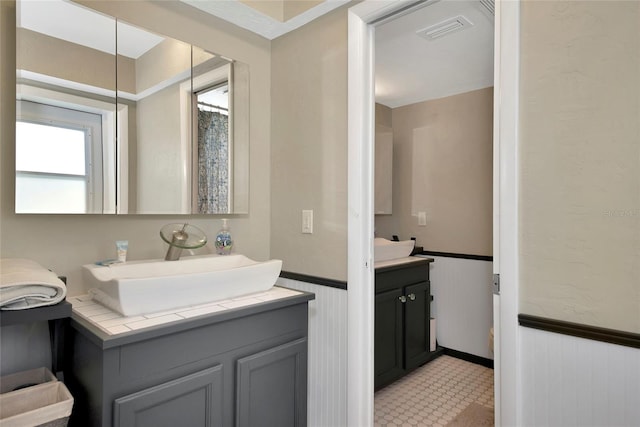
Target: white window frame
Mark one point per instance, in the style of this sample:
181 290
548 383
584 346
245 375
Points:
109 188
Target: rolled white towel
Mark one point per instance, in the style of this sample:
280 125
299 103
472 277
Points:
26 284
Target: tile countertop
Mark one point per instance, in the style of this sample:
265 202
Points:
113 323
401 261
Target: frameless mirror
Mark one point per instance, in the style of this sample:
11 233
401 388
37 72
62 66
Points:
171 137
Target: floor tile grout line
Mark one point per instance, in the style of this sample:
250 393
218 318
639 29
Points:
434 394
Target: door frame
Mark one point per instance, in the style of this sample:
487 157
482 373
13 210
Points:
361 121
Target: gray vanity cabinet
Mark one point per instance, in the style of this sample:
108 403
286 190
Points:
242 367
402 313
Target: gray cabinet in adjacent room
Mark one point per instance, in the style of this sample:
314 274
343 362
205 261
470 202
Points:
242 367
402 314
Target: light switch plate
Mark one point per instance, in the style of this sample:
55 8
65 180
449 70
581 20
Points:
422 218
307 222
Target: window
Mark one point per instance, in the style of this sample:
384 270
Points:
58 160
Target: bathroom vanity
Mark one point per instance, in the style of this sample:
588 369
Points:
243 363
402 314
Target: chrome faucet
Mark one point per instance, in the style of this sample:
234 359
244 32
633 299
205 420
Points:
177 243
181 236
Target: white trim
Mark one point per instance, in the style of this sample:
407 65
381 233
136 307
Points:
184 76
360 296
109 172
187 146
360 221
122 160
360 276
255 21
68 84
105 165
506 103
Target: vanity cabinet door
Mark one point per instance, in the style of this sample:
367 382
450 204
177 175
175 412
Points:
388 344
417 314
272 387
194 400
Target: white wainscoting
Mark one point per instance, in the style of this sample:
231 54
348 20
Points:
568 381
462 304
327 397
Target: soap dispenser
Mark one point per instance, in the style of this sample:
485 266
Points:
224 242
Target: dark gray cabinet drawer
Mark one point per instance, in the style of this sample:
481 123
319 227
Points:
402 275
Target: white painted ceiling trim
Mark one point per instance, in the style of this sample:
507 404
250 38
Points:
250 19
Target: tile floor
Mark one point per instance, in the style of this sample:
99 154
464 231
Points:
434 394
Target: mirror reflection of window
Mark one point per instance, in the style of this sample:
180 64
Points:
66 56
213 149
57 160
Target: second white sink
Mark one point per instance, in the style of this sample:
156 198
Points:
141 287
385 250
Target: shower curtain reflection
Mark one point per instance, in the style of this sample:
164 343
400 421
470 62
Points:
213 162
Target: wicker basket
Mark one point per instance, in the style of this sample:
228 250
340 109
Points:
25 379
47 403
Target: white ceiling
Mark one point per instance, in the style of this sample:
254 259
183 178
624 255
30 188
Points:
411 69
76 24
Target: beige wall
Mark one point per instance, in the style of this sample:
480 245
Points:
52 56
282 10
580 162
65 242
309 147
383 115
166 60
160 181
443 166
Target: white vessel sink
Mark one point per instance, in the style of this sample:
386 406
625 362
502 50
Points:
141 287
385 250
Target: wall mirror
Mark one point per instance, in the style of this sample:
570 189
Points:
114 119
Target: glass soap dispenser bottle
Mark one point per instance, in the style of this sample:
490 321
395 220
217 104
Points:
224 242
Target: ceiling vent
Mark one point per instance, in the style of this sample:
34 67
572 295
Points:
445 28
489 5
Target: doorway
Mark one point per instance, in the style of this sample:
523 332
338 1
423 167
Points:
434 93
362 19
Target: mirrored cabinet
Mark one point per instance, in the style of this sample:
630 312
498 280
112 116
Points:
115 119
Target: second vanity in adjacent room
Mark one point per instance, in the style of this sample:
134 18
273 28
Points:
402 318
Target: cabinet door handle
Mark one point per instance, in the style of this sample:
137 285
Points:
402 299
412 297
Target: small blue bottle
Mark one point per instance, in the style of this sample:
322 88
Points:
224 242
